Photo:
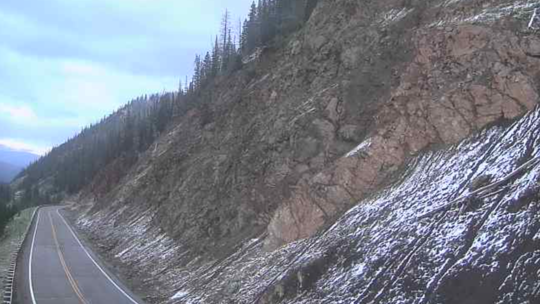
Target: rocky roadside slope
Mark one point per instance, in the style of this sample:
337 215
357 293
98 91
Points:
460 225
326 123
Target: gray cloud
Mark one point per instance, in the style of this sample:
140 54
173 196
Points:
140 36
65 63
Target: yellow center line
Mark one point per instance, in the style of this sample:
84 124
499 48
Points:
70 278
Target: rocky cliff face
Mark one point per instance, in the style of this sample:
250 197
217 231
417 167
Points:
311 129
461 79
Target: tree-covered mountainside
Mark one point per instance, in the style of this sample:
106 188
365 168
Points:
269 22
6 212
273 18
120 137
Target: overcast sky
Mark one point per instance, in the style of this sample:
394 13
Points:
67 63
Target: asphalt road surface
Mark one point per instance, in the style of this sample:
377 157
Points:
57 268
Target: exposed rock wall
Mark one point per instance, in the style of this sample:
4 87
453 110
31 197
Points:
461 79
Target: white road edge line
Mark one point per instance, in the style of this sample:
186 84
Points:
30 262
92 259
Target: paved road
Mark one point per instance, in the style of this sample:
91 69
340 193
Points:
58 269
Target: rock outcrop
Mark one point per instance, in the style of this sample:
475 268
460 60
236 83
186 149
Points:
461 80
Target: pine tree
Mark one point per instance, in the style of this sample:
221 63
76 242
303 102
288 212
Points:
6 213
225 38
231 56
197 73
180 88
252 29
244 38
216 63
239 33
264 20
207 67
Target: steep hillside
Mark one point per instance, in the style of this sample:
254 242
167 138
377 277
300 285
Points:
270 147
459 225
363 106
112 145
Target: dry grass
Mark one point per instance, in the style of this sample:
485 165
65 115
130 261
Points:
12 237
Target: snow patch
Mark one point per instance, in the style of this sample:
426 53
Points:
179 295
360 148
393 16
489 15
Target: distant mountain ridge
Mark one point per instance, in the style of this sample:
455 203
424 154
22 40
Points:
16 158
8 172
12 162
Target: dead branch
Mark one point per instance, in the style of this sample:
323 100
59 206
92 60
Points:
485 191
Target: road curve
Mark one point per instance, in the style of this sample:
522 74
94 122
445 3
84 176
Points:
58 269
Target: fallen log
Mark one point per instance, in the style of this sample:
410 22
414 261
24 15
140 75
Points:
484 191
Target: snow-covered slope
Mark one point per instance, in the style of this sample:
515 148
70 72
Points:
425 239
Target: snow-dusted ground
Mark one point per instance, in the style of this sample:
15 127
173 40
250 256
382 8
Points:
489 14
382 250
